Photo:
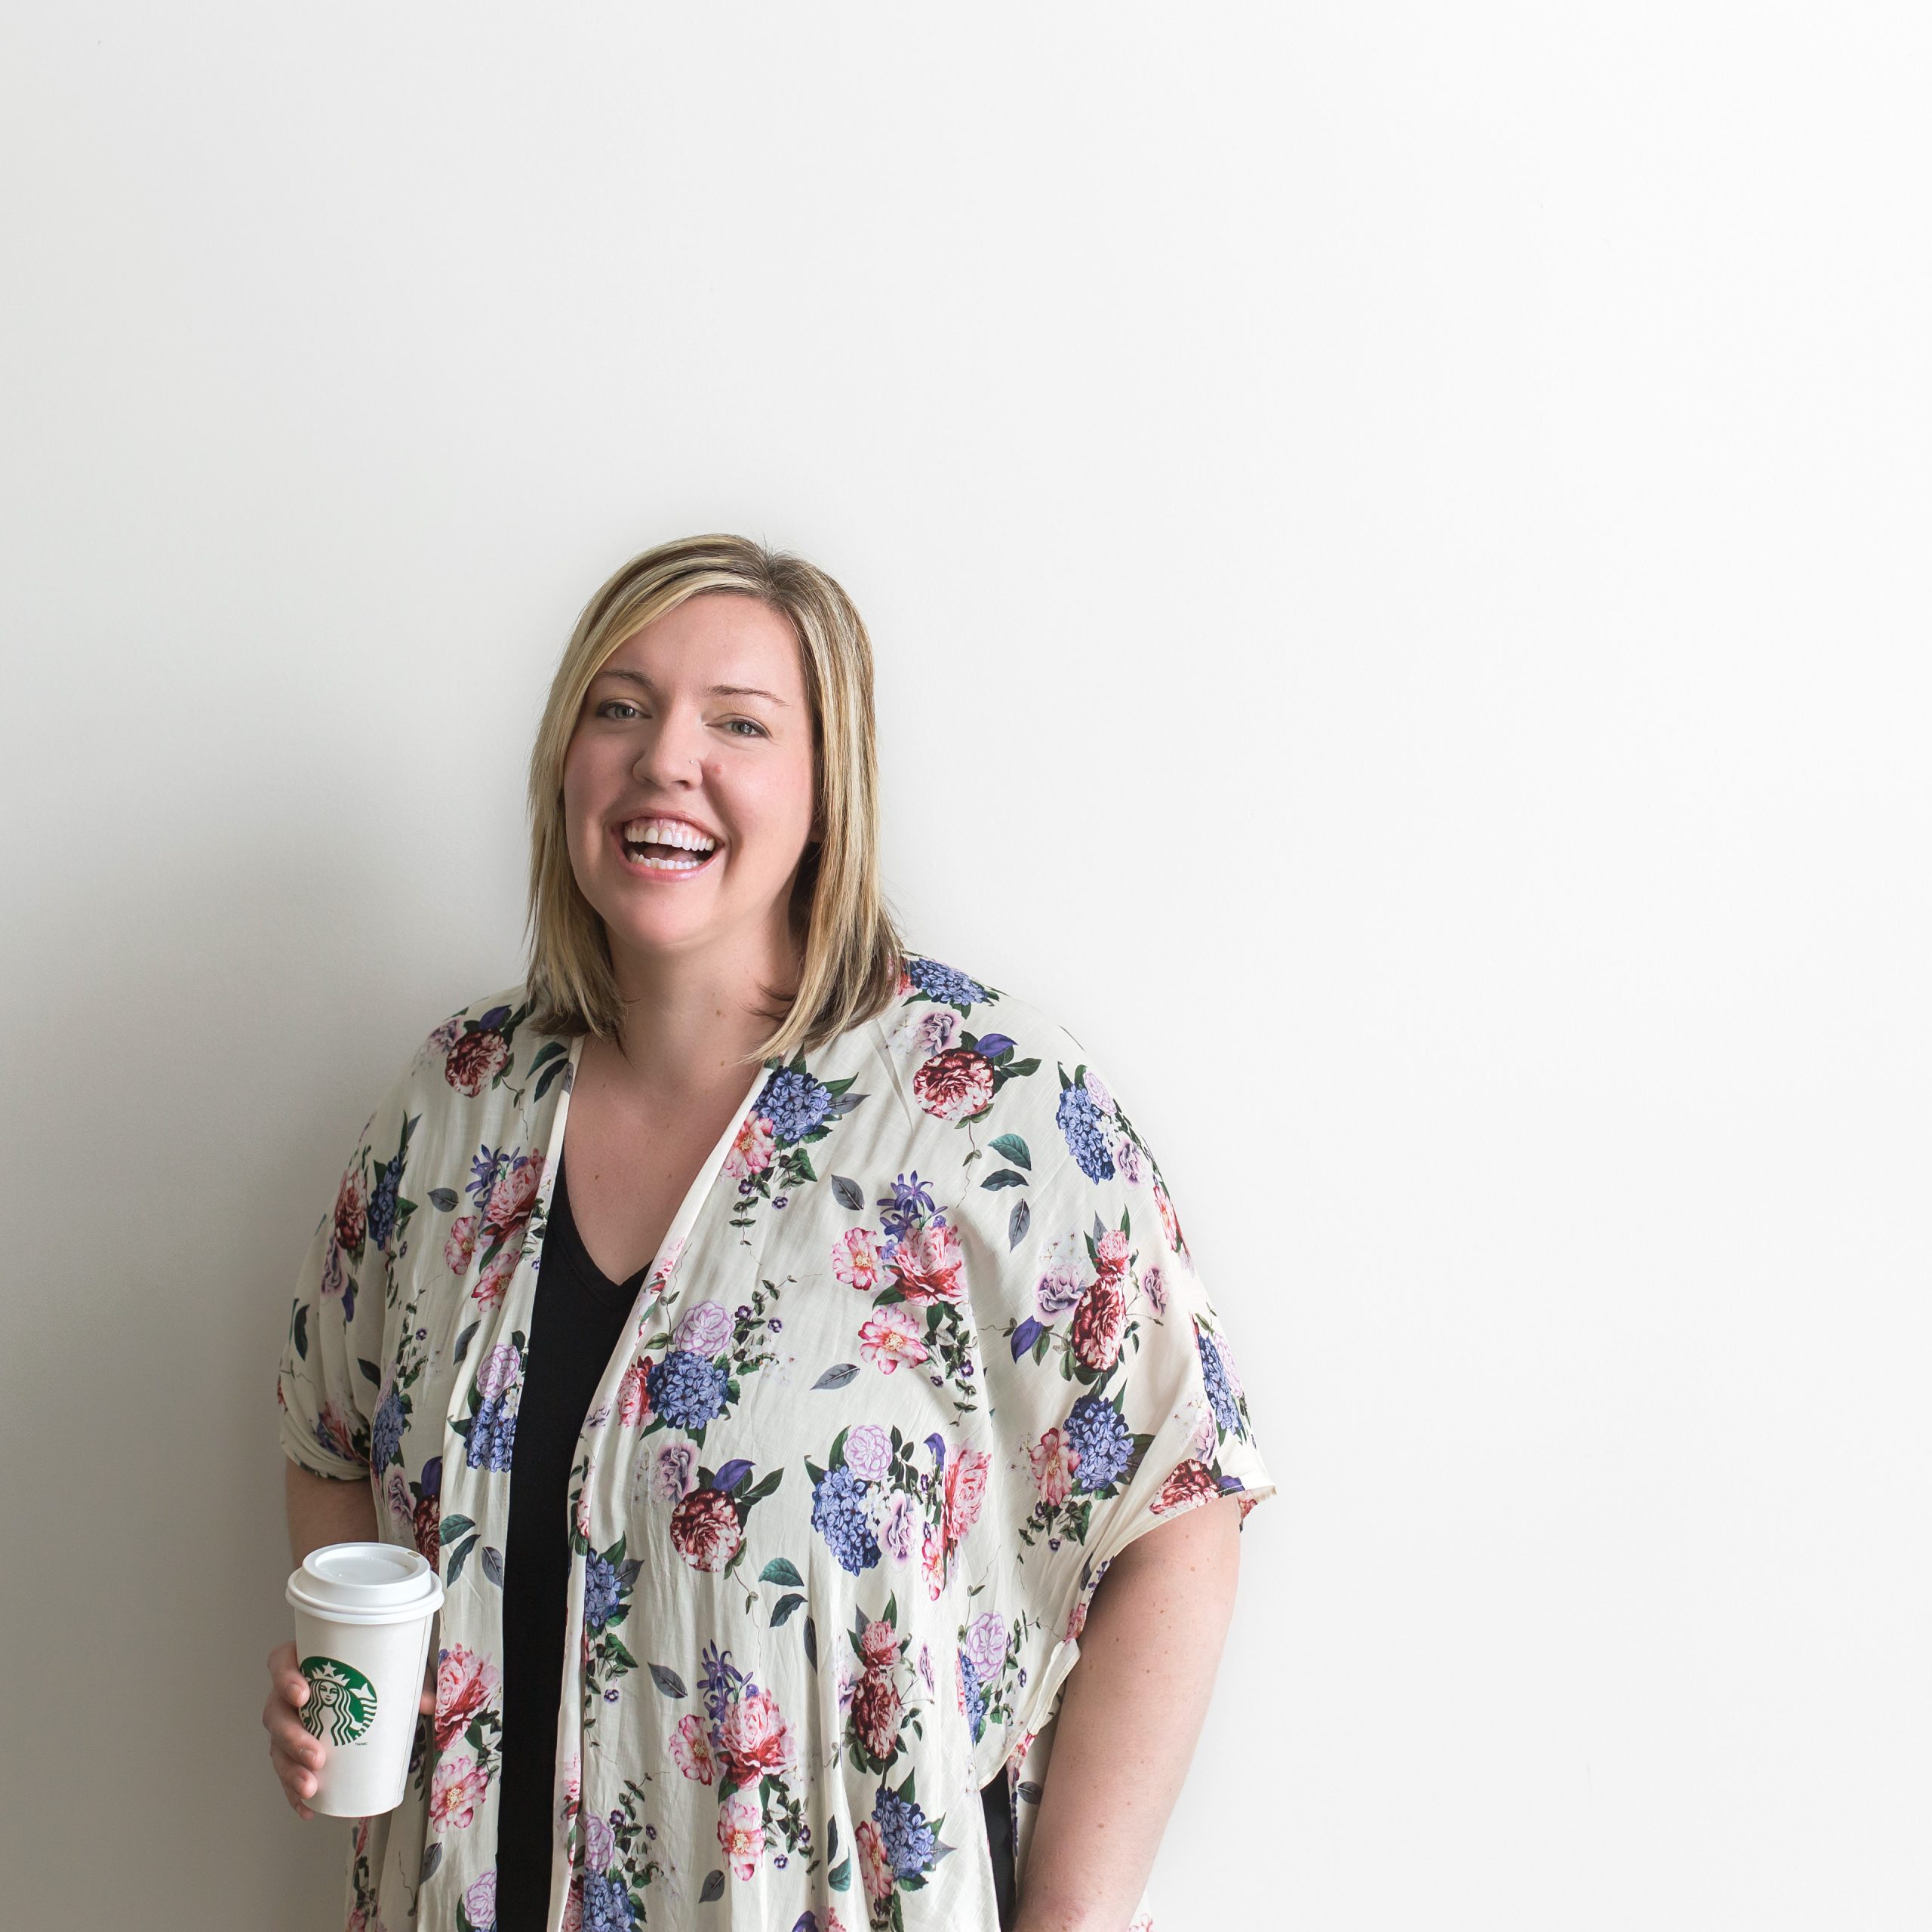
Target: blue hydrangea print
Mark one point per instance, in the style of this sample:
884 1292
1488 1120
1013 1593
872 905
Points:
794 1103
1219 1395
909 1843
607 1904
382 1202
1080 1121
601 1590
685 1390
943 984
1103 1441
976 1698
386 1432
838 1514
492 1435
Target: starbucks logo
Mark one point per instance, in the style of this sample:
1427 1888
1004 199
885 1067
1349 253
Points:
341 1701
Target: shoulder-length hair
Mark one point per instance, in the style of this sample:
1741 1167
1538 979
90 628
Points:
850 942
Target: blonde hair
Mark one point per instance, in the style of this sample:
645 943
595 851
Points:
852 950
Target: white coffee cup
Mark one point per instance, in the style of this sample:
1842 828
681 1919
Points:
363 1613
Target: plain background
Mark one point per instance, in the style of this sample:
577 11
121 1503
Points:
1395 540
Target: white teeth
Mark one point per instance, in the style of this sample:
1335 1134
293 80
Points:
669 832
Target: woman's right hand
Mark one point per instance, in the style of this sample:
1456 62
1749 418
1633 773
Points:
297 1757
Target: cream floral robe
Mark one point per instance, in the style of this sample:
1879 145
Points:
923 1351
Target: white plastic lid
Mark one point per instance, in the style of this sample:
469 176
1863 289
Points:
366 1582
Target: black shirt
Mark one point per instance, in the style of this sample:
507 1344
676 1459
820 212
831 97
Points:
579 1317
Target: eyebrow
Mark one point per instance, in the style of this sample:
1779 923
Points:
715 691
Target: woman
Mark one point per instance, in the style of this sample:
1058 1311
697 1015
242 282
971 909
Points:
774 1451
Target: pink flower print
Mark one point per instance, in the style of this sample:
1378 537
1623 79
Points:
334 1425
1099 1323
879 1643
1170 1220
875 1868
514 1191
877 1708
475 1058
495 1278
932 1562
869 1452
352 1212
705 1329
705 1529
891 1337
580 1513
1112 1254
335 1274
1154 1286
455 1791
467 1684
677 1471
751 1152
1186 1485
461 1243
634 1394
573 1904
955 1084
1096 1091
755 1739
741 1833
691 1746
1054 1462
667 1266
573 1786
855 1259
927 1264
1203 1440
965 1489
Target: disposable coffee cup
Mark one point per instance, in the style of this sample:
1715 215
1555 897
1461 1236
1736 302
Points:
364 1612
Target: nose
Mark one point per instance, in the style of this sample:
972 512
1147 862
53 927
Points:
673 751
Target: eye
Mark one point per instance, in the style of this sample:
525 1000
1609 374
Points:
603 707
758 728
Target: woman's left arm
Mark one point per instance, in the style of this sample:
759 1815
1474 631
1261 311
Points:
1130 1714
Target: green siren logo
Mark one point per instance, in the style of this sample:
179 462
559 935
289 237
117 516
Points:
341 1701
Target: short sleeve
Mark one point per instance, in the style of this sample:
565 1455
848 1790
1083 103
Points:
331 1366
1116 1385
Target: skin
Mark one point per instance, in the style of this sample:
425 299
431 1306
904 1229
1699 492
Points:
690 955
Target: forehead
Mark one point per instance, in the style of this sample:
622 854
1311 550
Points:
715 638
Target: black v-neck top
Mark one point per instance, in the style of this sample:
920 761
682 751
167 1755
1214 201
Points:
579 1317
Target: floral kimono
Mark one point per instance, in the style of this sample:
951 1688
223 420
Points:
923 1351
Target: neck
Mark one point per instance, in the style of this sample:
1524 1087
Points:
691 1019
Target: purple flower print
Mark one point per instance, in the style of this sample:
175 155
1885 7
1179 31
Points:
479 1902
1096 1089
985 1643
839 1515
705 1329
898 1527
600 1846
386 1432
1219 1395
499 1370
869 1452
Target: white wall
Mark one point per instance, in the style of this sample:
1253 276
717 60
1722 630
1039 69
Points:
1396 537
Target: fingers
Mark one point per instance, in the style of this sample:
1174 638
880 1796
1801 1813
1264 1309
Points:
296 1756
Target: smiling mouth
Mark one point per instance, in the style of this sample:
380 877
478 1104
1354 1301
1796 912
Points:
649 856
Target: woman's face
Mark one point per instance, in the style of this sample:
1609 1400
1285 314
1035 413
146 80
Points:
701 718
